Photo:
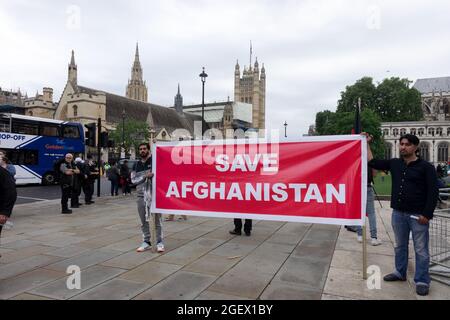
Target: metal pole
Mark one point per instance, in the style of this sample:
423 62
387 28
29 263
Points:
99 131
203 107
364 251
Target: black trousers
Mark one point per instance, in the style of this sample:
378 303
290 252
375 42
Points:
88 189
66 193
247 225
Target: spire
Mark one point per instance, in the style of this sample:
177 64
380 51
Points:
251 53
179 102
72 70
72 60
136 56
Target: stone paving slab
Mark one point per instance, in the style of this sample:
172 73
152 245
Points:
84 260
27 281
280 290
179 286
116 289
130 259
28 264
151 272
212 264
27 296
17 255
90 278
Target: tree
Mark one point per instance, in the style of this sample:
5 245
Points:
396 101
392 99
337 123
364 89
135 132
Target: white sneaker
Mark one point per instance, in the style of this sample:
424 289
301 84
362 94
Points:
144 247
359 238
160 247
375 242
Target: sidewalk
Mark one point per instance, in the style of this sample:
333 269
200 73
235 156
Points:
202 260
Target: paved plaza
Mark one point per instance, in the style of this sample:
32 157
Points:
202 260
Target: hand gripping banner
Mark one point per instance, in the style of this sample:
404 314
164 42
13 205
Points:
311 180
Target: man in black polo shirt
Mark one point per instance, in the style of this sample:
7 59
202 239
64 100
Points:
414 198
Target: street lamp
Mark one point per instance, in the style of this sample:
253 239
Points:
123 134
285 129
203 76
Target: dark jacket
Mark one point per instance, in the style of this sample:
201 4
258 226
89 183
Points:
414 187
8 193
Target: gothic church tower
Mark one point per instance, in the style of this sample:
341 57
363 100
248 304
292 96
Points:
136 88
251 88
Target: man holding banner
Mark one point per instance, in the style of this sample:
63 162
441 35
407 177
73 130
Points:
414 198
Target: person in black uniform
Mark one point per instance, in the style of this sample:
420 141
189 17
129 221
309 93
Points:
67 170
92 174
8 196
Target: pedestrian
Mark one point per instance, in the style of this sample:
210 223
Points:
9 166
68 170
141 176
413 200
238 227
8 196
370 211
125 178
78 181
92 174
113 175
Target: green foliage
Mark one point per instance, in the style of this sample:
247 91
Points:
135 132
337 123
392 99
364 89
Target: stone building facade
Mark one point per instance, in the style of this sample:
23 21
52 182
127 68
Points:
434 132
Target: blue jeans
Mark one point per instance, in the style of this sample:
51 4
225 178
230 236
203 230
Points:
402 223
370 209
114 187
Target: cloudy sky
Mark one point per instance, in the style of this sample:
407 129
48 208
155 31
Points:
311 49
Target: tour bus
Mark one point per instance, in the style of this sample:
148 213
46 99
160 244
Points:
33 145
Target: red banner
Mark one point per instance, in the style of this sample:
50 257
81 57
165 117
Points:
312 180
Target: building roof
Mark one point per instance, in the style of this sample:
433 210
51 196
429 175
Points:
157 116
214 111
431 85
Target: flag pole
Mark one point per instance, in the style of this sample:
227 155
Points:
364 227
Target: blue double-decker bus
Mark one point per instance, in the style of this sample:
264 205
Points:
33 145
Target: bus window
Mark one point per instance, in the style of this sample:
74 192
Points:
71 132
49 130
29 128
4 124
23 157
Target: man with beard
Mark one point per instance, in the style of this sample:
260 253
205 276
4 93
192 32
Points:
141 176
414 198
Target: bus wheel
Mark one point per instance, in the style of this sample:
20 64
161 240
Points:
48 179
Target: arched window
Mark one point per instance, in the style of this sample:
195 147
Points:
388 151
448 131
443 152
385 132
431 132
395 132
424 151
30 113
75 111
413 131
402 131
439 132
421 132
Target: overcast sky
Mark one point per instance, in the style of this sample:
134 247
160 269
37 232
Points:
311 49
